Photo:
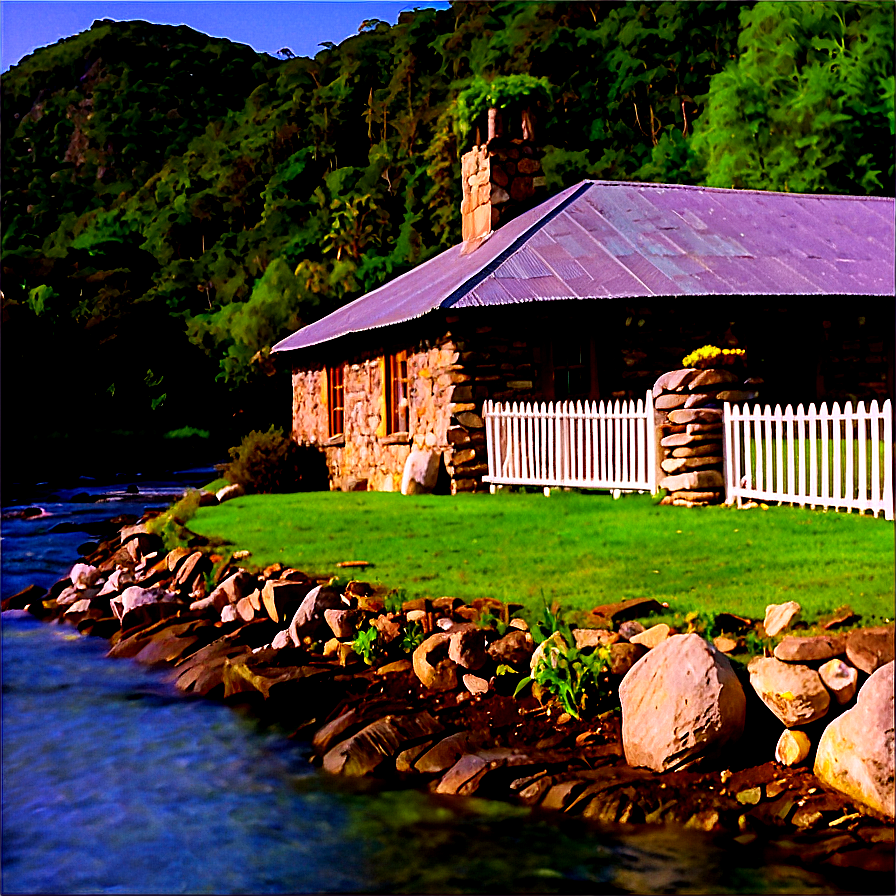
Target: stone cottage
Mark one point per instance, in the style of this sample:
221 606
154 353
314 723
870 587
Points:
593 293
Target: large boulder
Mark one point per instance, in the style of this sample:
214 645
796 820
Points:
421 470
855 753
681 705
794 693
309 618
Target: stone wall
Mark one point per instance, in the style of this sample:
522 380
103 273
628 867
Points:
362 458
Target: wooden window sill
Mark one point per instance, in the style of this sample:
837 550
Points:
396 438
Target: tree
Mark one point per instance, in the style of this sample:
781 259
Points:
807 106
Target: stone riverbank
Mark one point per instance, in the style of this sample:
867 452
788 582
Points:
792 753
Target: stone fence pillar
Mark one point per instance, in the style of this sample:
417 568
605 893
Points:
688 420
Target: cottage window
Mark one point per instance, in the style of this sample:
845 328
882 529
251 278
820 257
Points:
571 366
396 393
336 400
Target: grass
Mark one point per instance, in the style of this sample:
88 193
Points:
578 548
806 445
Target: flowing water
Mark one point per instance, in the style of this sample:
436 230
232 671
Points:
114 783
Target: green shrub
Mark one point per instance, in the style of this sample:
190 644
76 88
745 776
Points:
268 462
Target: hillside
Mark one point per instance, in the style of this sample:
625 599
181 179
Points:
174 204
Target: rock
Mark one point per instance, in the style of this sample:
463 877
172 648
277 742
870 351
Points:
869 649
282 597
780 616
117 581
21 599
229 614
282 639
174 558
207 499
365 751
669 401
624 655
84 576
712 377
674 380
593 637
245 609
653 636
697 479
389 627
628 609
444 754
190 568
431 663
229 492
841 616
71 594
855 754
840 679
341 622
513 649
801 650
688 416
421 470
630 628
474 684
793 747
724 644
794 693
681 705
466 647
309 617
342 651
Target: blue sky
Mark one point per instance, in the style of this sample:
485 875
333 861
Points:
266 25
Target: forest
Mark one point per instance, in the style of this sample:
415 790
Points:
174 204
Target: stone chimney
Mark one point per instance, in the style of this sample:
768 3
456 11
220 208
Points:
501 177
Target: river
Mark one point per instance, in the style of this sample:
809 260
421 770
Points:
114 783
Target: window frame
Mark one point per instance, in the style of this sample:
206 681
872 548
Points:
335 395
395 417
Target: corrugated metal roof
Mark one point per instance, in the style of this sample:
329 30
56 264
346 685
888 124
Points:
609 239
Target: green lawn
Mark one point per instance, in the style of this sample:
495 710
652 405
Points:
581 549
770 465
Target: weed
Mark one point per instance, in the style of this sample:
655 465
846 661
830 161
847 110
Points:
488 620
394 600
576 678
413 637
365 645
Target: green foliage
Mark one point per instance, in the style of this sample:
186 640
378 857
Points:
269 461
807 105
577 679
498 93
366 646
413 637
187 432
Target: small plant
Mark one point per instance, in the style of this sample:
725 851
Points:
575 678
365 645
413 637
487 619
268 462
394 600
551 621
703 622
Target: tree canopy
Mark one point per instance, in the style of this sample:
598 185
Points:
173 204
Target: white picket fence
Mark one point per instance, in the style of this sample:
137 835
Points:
596 445
817 457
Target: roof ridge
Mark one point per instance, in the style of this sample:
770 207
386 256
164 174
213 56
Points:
690 187
486 270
